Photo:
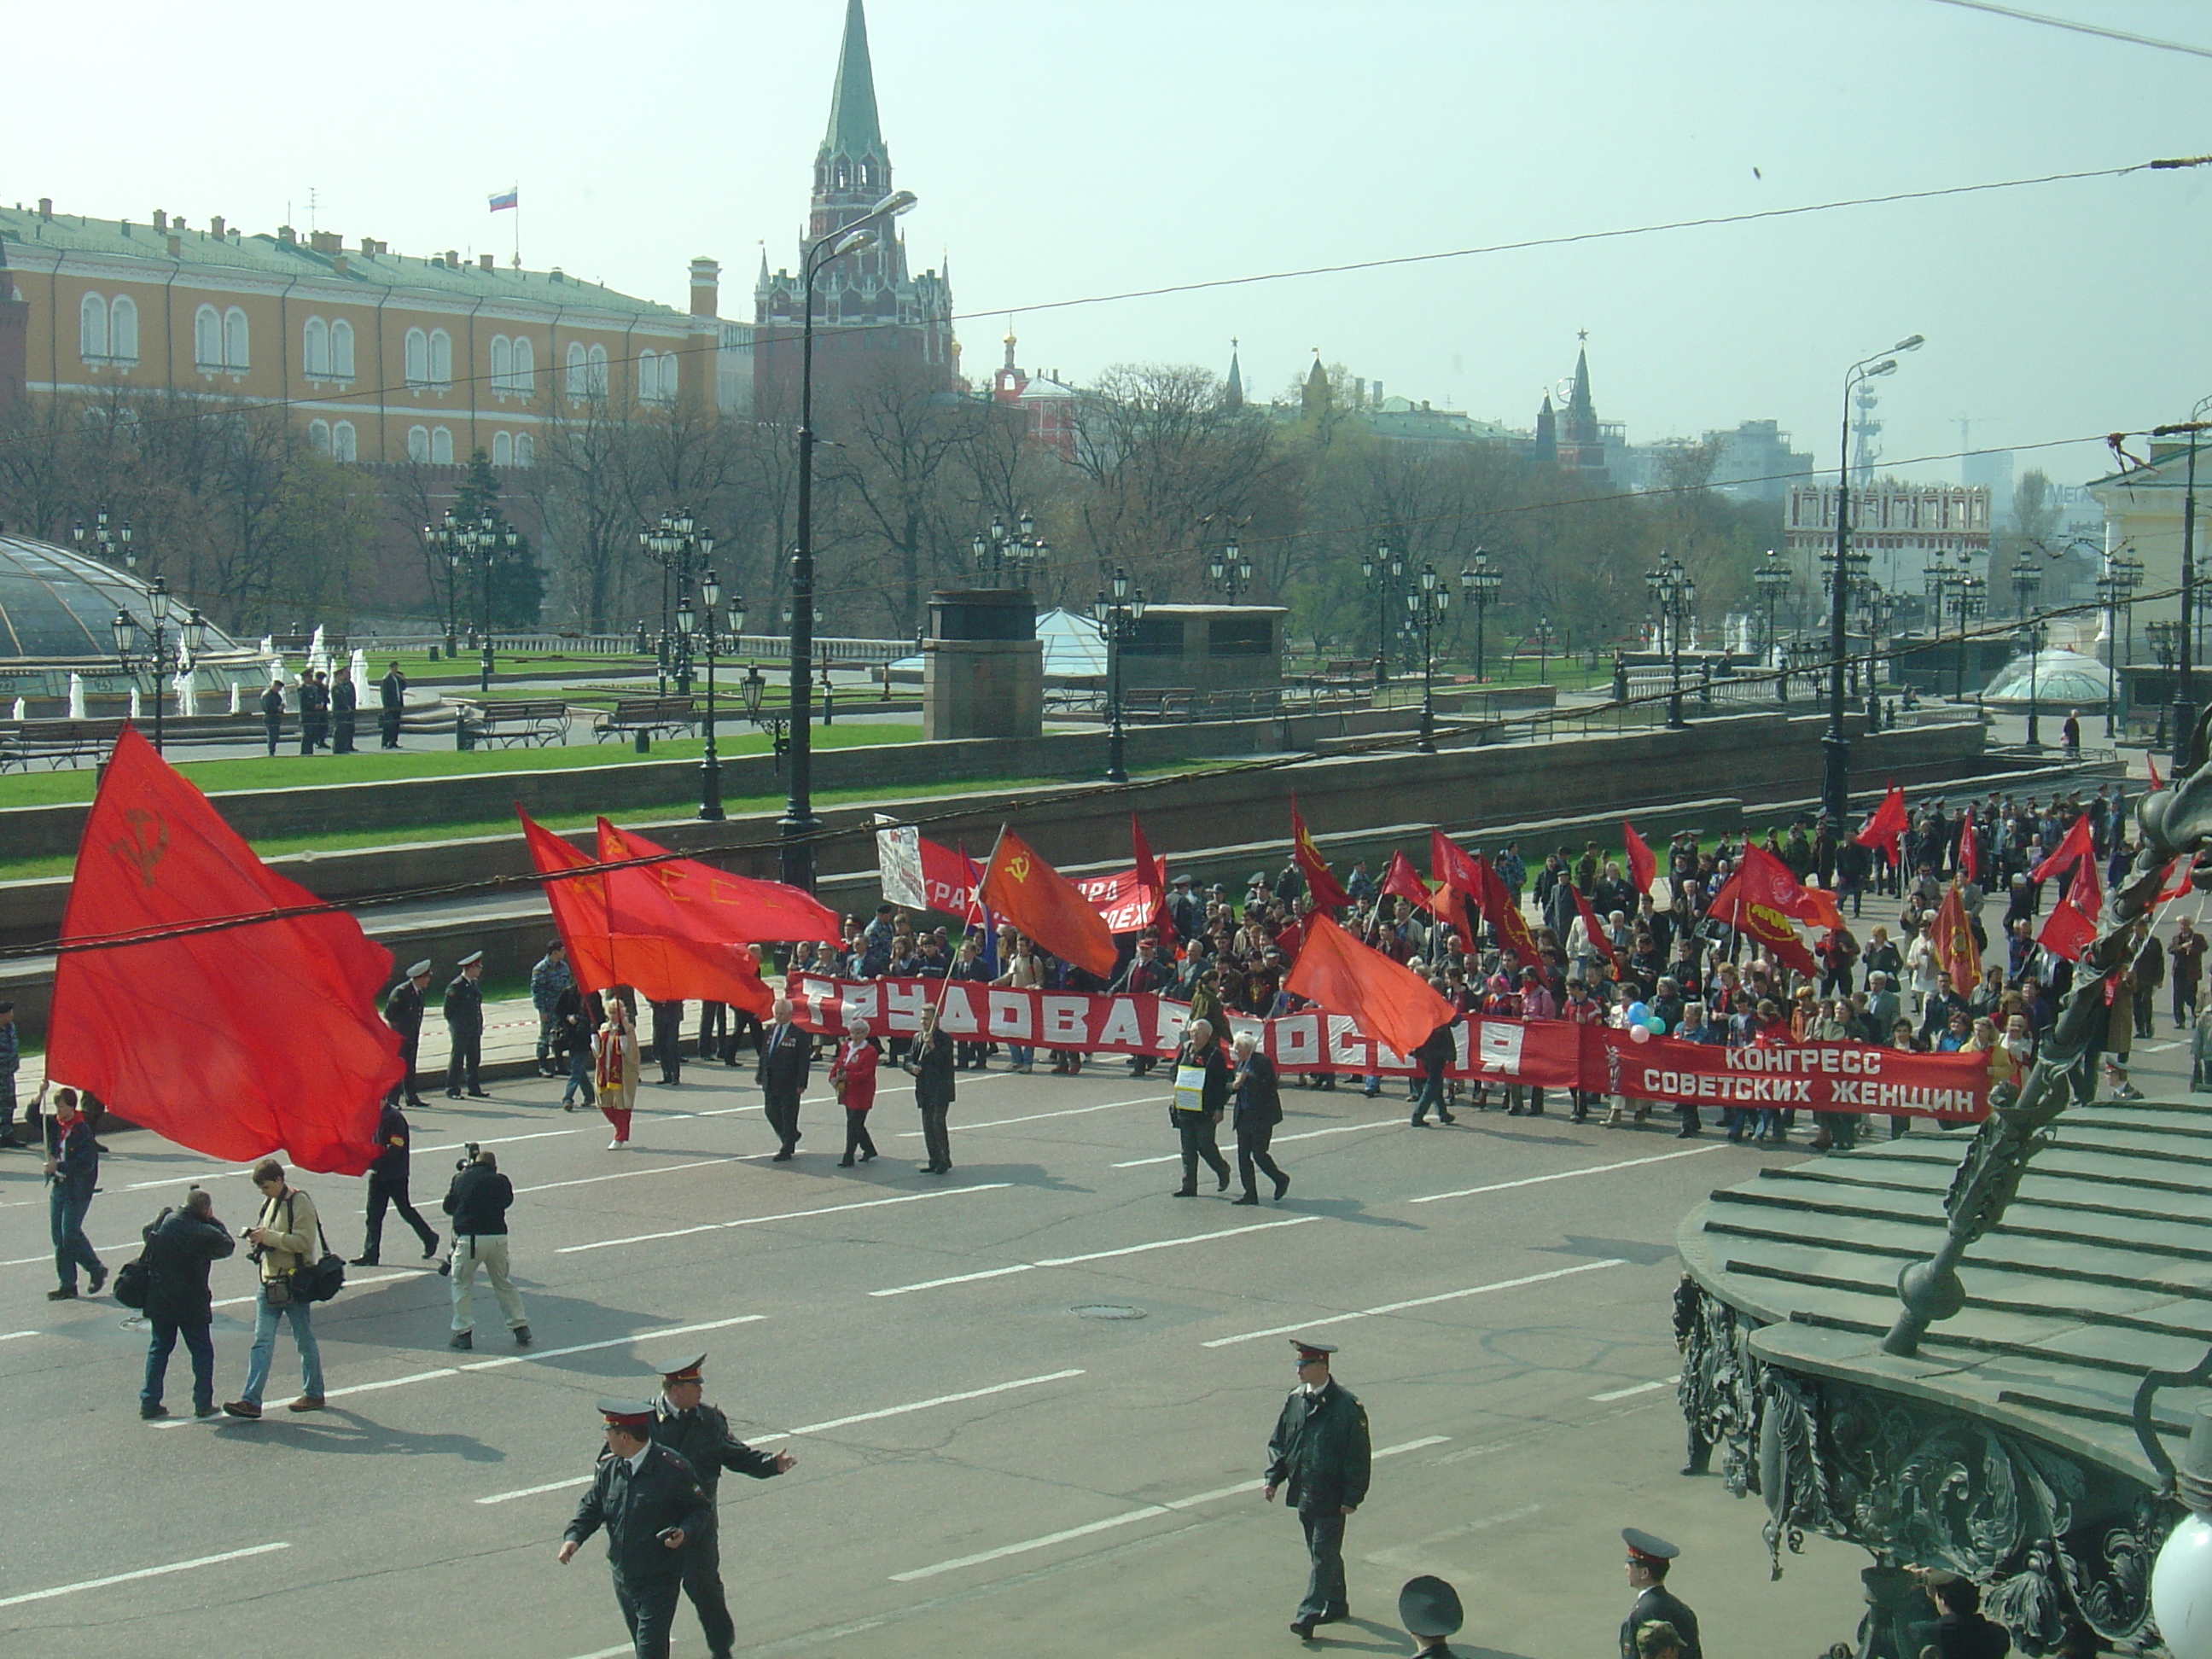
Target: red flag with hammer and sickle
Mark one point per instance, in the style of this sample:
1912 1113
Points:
1046 907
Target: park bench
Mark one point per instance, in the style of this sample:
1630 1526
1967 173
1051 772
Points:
1165 703
645 716
58 743
540 720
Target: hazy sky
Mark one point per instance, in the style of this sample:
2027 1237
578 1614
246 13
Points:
1064 149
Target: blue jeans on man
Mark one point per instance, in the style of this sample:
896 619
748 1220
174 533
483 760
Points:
265 1318
72 1249
579 1088
199 1345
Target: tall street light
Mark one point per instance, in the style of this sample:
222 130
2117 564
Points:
481 538
1117 621
1772 578
2161 636
1481 581
1021 555
1836 773
1427 602
670 542
1230 570
1674 597
2185 706
799 826
130 635
1383 567
2026 583
1546 640
710 765
2116 585
111 542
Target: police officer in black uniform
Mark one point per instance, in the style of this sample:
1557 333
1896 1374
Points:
1320 1453
1648 1557
700 1434
388 1187
651 1506
403 1012
465 1028
1430 1610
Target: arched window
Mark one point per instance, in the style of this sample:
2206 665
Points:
122 330
345 447
92 329
526 449
235 354
418 443
580 377
596 357
668 378
502 450
315 347
441 357
441 446
207 337
418 357
503 363
319 436
649 377
342 350
525 366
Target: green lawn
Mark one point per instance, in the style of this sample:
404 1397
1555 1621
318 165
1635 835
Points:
374 766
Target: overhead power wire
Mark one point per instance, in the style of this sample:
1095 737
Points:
2075 26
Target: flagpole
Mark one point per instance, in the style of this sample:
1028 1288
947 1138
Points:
945 990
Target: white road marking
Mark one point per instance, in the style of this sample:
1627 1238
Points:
1092 1255
391 1382
1417 1301
628 1175
786 1215
143 1572
819 1428
218 1172
940 1400
1640 1388
1569 1175
1146 1512
351 1285
10 1336
1309 1134
1035 1117
2159 1048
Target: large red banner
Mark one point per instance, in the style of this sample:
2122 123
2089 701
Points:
1819 1077
1126 905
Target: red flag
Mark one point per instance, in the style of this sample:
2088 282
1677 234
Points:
1601 940
578 904
2076 847
1953 936
736 908
1643 868
1495 900
1320 879
238 1042
1888 825
2067 930
2175 879
1450 906
1152 880
1390 1003
1970 849
677 932
1759 901
1044 905
1456 880
1817 905
1401 880
2152 763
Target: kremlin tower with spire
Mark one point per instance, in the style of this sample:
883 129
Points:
869 310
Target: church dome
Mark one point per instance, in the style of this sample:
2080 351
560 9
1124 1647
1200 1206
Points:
59 606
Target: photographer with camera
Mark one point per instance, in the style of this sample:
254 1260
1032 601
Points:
181 1245
478 1202
284 1239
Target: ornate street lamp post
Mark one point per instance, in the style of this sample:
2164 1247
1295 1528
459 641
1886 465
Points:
2164 636
1021 555
710 765
158 659
2026 583
1230 570
2116 584
1773 579
113 545
1427 602
1480 582
1383 568
1674 597
1117 621
1546 640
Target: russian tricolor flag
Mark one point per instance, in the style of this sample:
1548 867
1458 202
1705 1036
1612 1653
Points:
509 197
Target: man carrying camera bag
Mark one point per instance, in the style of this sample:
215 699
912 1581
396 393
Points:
285 1238
478 1200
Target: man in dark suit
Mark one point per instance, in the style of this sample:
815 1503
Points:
272 713
391 698
786 1053
1320 1453
668 1040
345 702
1648 1557
1259 1109
651 1505
403 1012
700 1434
464 1011
314 712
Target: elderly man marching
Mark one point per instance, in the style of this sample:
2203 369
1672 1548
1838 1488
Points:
1320 1453
700 1434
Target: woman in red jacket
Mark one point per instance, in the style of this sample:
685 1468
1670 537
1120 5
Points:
852 1075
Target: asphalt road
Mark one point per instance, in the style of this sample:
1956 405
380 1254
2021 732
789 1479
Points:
985 1466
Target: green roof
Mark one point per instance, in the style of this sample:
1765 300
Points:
265 255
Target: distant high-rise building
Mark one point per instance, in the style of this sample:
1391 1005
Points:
1757 464
868 309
